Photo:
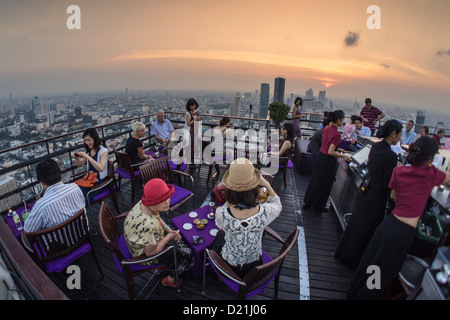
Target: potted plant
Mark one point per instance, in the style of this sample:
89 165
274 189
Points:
278 112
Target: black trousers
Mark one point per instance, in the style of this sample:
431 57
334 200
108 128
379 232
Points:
387 250
367 215
321 182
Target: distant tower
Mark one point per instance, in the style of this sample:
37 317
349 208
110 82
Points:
420 120
264 100
235 105
278 91
322 96
309 93
36 106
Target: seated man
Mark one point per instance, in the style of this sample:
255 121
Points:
162 128
408 135
60 201
361 130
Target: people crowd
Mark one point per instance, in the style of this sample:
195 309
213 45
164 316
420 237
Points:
370 238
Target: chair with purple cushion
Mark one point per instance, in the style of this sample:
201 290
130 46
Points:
160 168
108 187
127 265
126 170
259 277
58 247
286 163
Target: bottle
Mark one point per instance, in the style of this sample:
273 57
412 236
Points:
17 221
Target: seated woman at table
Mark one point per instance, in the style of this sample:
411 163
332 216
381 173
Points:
242 218
95 158
288 140
134 146
146 234
224 131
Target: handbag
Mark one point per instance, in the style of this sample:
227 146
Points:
88 180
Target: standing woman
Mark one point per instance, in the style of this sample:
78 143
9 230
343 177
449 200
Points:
296 115
411 187
324 169
95 158
191 116
370 206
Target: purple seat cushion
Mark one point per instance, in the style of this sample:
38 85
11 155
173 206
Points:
173 166
235 286
126 253
179 195
126 175
62 263
105 192
289 164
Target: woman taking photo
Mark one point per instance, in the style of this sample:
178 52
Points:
134 146
324 169
296 115
411 187
95 158
242 219
146 234
190 117
370 205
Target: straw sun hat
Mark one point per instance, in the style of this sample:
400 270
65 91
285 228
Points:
241 176
156 191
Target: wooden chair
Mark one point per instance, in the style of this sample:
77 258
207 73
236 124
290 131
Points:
268 177
160 168
57 247
126 170
258 277
283 162
124 263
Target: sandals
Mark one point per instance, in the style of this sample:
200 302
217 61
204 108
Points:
166 283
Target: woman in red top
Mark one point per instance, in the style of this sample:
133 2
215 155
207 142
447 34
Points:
324 169
394 237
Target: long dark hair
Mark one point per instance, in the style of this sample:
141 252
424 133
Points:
422 150
191 102
334 116
290 132
91 132
298 98
388 127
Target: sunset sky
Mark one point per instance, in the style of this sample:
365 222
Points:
230 45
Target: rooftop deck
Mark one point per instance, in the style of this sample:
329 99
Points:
313 274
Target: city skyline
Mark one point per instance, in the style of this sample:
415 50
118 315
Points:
232 46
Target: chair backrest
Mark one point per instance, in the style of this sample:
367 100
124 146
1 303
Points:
123 161
259 275
56 242
268 177
109 229
159 168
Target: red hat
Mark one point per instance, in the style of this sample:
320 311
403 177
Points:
156 191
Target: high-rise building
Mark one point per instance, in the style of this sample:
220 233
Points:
322 96
36 106
278 91
309 93
264 100
235 105
420 120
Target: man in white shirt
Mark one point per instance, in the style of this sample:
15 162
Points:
60 201
162 128
408 135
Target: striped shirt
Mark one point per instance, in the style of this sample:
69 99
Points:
59 203
370 114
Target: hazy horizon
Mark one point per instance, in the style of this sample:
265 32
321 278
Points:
230 46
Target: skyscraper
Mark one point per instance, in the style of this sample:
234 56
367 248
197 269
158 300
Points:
235 105
264 100
278 92
420 120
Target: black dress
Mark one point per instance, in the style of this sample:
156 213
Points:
369 208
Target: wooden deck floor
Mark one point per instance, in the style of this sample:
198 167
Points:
328 279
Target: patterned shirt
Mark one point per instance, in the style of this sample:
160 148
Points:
163 130
243 238
141 230
370 114
59 203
